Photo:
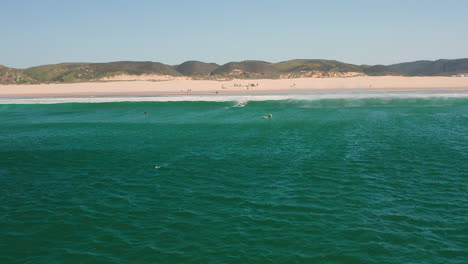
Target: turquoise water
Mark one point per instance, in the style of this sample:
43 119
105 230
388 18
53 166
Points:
369 180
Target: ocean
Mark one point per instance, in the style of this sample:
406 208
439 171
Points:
331 178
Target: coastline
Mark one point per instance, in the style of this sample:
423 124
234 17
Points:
236 86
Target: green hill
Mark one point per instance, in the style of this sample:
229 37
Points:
432 68
63 72
246 69
12 76
83 72
132 67
196 68
316 65
379 70
76 72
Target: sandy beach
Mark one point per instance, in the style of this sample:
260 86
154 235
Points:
135 88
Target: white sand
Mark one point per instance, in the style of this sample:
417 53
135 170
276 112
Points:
207 86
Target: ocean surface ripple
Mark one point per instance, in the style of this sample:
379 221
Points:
334 180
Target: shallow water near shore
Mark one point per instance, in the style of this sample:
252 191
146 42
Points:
331 180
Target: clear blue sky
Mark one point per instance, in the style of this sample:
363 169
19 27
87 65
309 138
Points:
172 31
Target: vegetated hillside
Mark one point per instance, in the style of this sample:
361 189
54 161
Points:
196 68
12 76
432 68
133 67
83 72
316 65
76 72
246 69
380 70
62 72
330 68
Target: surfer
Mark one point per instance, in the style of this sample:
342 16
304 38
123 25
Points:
268 116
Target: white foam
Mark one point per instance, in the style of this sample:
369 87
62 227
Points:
242 103
243 99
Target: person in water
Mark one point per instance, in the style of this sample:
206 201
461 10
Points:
268 116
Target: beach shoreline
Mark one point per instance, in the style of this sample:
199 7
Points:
235 86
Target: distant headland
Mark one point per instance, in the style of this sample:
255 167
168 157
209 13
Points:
249 69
